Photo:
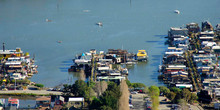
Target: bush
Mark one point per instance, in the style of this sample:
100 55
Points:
39 85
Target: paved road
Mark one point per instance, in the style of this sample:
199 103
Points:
164 105
39 92
138 101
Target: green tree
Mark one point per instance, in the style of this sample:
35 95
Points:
194 97
128 83
171 96
80 89
175 90
186 94
138 85
104 107
154 92
164 90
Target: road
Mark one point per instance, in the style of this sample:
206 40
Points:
138 101
38 92
164 105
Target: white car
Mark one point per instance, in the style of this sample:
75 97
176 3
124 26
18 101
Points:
134 92
131 106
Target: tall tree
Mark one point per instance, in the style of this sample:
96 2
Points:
123 101
154 94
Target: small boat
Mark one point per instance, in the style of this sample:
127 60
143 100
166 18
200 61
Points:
99 23
59 41
86 10
13 102
142 55
177 11
47 20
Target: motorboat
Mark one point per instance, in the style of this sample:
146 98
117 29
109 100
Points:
142 55
47 20
99 23
177 11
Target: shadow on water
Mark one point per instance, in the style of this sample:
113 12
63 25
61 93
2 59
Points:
64 69
161 36
151 41
142 63
79 75
65 65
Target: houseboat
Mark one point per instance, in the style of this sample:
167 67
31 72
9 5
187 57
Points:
142 55
13 102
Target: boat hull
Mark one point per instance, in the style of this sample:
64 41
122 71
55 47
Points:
142 58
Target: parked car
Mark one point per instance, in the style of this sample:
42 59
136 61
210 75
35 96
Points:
131 106
130 101
134 92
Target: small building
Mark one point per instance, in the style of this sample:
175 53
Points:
17 76
43 103
207 26
187 86
9 53
193 27
76 102
177 31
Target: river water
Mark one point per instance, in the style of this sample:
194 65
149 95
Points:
127 24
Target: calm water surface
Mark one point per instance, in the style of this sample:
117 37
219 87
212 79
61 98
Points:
133 25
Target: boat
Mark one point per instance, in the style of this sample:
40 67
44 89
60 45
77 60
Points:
47 20
142 55
99 23
59 41
13 102
177 11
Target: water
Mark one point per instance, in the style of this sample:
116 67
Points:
131 24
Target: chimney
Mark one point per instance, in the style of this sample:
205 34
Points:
3 46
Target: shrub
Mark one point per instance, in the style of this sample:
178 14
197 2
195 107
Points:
39 85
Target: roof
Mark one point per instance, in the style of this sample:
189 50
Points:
9 52
43 98
13 63
76 99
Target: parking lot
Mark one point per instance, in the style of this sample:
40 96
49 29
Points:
138 102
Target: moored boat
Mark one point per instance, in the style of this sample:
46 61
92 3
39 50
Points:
13 102
99 23
142 55
177 11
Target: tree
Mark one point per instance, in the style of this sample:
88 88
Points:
154 91
193 97
175 90
154 94
67 90
164 90
138 85
186 94
100 87
109 100
80 89
96 104
129 83
105 107
111 96
146 90
171 96
123 101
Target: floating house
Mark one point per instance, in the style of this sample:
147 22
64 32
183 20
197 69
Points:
193 27
43 103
